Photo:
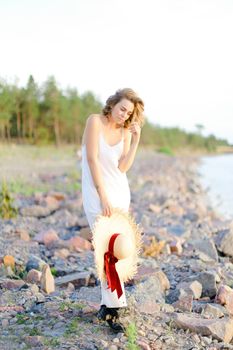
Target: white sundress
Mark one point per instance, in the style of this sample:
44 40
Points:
118 193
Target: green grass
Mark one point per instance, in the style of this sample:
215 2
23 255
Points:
38 318
22 318
25 188
7 209
53 342
22 166
166 150
54 271
66 305
73 328
96 329
131 334
77 306
37 152
74 175
68 187
28 189
20 272
35 331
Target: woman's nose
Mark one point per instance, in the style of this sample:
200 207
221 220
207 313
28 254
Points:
124 114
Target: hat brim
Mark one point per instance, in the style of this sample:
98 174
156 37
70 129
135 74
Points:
104 227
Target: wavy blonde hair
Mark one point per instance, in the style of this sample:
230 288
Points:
130 95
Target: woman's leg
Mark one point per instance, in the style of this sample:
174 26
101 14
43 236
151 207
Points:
110 299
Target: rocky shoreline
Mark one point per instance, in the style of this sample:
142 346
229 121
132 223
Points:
181 298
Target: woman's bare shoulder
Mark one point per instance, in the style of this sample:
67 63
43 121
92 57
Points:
92 126
94 118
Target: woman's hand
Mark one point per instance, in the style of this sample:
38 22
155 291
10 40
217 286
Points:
106 207
135 129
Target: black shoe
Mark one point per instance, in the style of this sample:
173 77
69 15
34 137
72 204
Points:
104 313
114 312
116 327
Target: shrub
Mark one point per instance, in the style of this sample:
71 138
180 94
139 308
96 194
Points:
7 209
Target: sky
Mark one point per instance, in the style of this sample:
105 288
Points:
176 54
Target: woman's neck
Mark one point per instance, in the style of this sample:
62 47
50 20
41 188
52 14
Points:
111 124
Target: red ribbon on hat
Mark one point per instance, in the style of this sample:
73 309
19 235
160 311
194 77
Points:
110 269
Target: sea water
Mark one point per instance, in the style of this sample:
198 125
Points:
217 178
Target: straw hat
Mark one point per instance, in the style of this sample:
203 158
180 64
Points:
120 234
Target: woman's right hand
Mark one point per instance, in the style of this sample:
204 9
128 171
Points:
106 207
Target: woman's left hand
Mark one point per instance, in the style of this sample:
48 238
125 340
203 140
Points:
135 129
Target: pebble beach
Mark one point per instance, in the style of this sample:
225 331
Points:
180 298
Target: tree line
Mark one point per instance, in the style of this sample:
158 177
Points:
174 138
47 114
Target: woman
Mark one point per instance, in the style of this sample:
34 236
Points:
110 141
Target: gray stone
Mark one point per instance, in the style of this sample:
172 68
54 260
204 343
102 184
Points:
208 282
193 287
213 310
224 241
151 284
47 280
205 248
78 279
36 211
35 262
88 294
184 303
221 329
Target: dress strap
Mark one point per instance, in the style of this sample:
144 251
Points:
122 133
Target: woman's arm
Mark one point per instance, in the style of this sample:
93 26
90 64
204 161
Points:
92 147
130 147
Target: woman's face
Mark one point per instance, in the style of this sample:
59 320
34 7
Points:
122 111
